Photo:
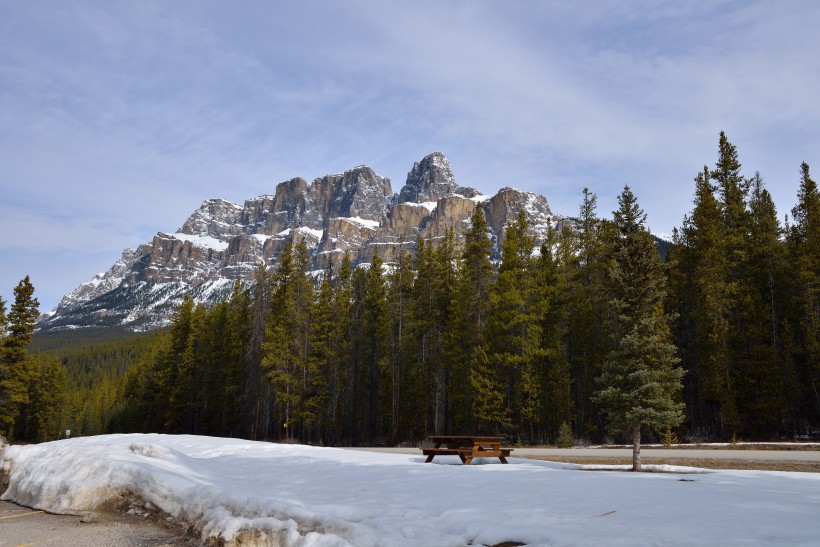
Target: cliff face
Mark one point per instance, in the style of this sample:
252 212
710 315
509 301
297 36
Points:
355 212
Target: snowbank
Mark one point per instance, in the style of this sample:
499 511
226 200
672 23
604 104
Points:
299 495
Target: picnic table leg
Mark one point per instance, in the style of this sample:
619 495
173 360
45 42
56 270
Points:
431 456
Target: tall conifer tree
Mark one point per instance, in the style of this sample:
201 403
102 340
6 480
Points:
376 351
287 341
474 381
514 331
399 295
804 247
640 381
16 366
704 272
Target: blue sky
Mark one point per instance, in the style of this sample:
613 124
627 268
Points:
117 119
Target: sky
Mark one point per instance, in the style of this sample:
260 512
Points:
118 119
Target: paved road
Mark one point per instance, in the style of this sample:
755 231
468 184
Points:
21 526
722 454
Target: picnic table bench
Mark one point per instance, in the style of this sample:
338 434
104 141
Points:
466 447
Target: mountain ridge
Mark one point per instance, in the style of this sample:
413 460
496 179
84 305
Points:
355 212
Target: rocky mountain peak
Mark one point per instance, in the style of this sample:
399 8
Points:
429 180
353 214
215 218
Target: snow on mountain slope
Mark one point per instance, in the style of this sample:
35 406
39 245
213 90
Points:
353 213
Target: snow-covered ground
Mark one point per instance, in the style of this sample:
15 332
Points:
300 495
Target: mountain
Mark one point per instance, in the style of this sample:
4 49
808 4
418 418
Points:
355 212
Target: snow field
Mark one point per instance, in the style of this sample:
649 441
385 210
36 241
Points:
272 494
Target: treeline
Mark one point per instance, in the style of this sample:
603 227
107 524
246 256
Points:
576 332
66 387
438 342
446 341
32 387
747 293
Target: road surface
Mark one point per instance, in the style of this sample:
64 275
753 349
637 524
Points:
21 526
694 453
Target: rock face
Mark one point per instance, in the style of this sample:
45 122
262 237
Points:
355 212
429 180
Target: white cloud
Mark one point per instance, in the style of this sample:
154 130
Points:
147 109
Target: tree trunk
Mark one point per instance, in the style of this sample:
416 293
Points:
636 448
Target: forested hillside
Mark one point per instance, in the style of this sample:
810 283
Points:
726 330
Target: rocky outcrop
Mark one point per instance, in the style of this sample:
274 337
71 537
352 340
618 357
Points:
429 180
353 213
503 208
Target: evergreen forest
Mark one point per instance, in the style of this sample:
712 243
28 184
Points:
592 334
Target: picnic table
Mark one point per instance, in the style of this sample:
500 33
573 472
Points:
466 447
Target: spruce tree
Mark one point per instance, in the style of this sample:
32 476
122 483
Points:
554 275
419 388
514 330
804 250
470 384
375 331
258 393
357 418
440 312
640 381
400 282
235 367
16 366
187 390
733 191
582 261
765 373
48 396
702 272
330 352
428 375
286 358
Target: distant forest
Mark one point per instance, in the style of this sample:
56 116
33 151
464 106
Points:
448 341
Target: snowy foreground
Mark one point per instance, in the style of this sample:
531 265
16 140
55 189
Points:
276 494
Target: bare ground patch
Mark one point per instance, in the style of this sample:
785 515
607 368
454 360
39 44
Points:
706 463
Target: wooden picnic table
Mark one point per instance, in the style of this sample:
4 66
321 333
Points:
466 447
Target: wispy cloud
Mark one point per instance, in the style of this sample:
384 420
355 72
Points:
117 120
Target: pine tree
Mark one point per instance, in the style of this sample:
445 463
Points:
235 367
582 266
375 356
804 250
3 325
733 191
329 351
286 348
357 418
400 282
48 397
553 290
470 309
701 274
765 372
514 330
258 393
428 372
639 381
419 387
16 366
440 313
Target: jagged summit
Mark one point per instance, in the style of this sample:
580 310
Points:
430 180
353 213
